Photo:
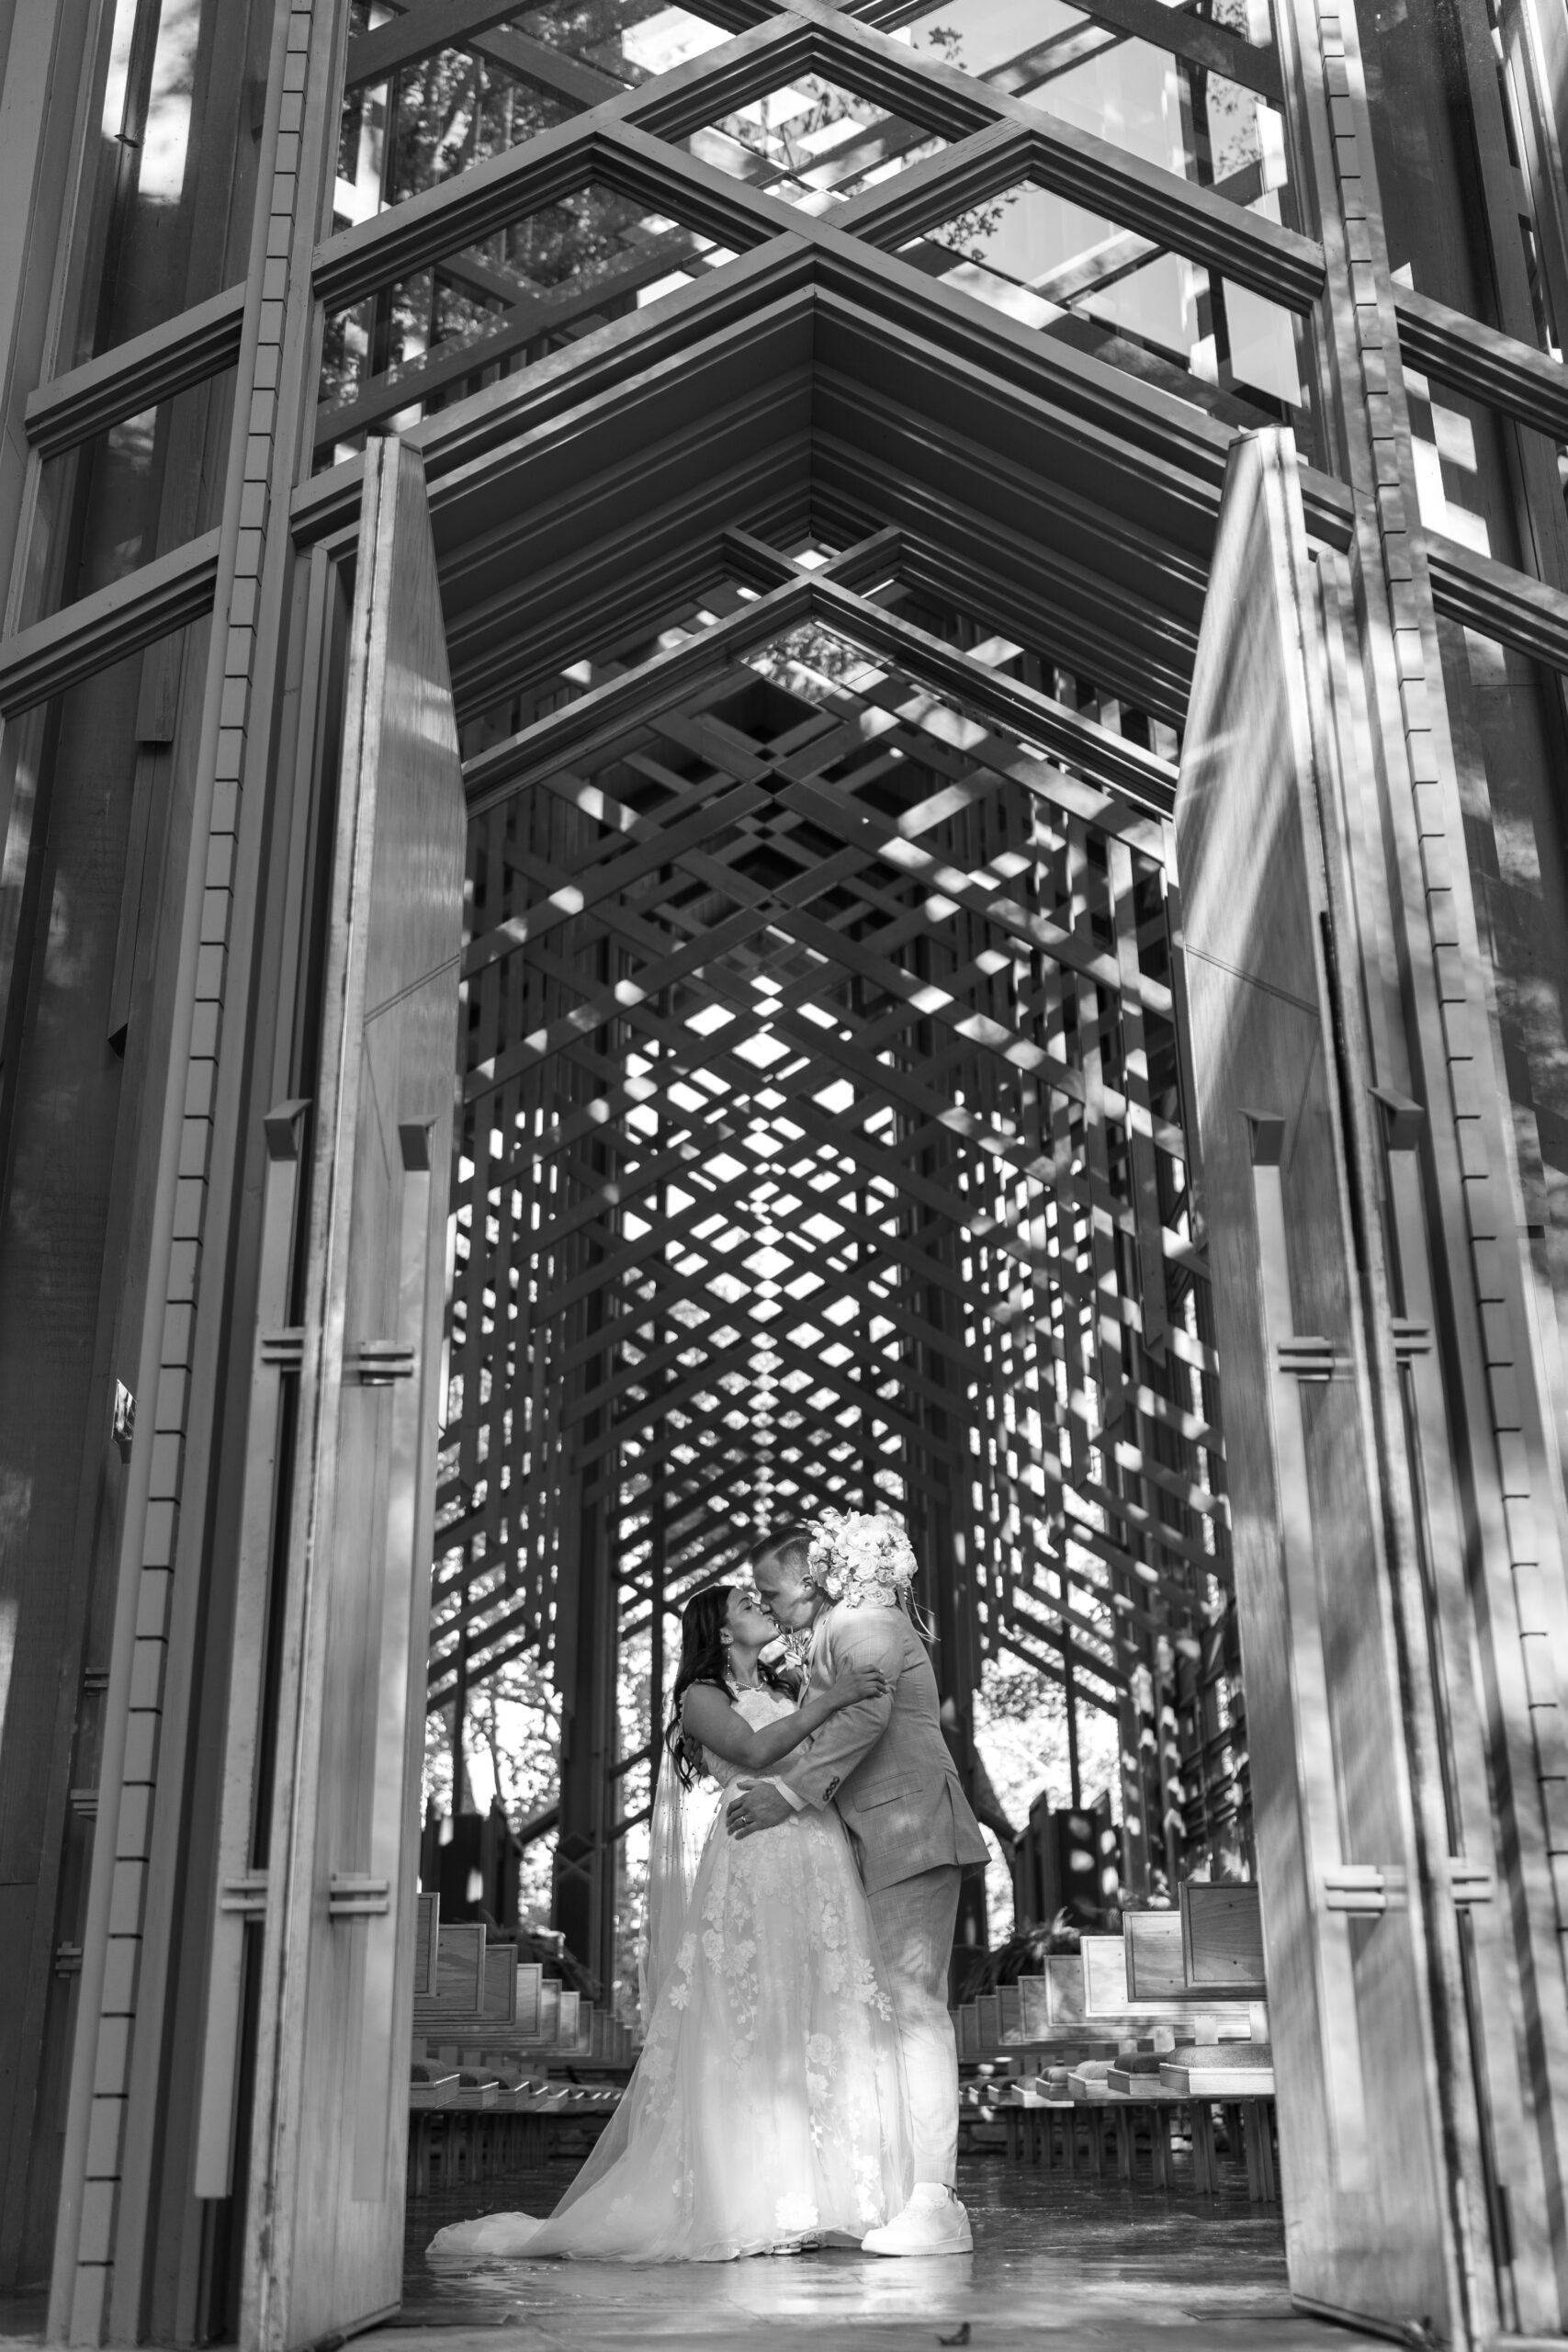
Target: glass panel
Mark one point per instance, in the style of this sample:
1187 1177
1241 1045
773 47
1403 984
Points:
544 281
167 213
1433 201
436 118
1510 748
113 487
1449 438
813 143
632 39
454 108
1464 454
1162 109
1123 298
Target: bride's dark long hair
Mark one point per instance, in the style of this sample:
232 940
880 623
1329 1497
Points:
703 1658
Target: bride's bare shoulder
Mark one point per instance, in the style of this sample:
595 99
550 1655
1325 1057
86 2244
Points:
707 1699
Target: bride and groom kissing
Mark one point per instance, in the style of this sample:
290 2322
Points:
798 2082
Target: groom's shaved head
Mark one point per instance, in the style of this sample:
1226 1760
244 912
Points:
781 1565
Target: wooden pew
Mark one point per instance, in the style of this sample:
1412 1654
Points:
459 1986
426 1917
1210 1949
483 2019
1121 1974
1155 1966
1180 1978
1078 2000
475 2003
481 2127
1222 1940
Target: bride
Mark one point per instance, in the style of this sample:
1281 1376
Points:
768 2104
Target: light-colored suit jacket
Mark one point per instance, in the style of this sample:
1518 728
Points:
884 1762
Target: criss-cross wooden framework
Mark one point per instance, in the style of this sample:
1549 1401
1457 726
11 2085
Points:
1123 1601
824 1143
594 1403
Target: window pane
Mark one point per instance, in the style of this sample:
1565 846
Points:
814 144
632 39
542 281
1181 117
1119 297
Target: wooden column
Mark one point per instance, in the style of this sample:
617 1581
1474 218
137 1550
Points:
584 1904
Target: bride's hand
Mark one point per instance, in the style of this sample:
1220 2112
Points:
853 1683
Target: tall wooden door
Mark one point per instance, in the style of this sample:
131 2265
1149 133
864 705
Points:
324 2225
1278 1070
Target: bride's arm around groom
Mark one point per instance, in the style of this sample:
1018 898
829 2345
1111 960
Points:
867 1638
883 1762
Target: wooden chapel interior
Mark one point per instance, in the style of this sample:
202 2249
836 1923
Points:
751 757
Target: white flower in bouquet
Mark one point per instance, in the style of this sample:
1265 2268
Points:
858 1556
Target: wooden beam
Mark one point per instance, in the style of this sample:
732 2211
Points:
527 316
424 32
616 145
1163 460
138 374
1499 602
1061 1637
457 212
1246 248
938 187
1526 384
1096 171
101 630
791 44
1053 1672
494 776
1198 40
1178 30
1134 775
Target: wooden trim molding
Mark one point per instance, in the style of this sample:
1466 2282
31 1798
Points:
479 26
199 343
100 629
1480 362
1498 602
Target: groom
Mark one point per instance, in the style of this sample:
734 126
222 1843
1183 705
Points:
885 1764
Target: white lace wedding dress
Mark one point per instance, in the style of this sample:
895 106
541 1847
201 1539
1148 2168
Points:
768 2103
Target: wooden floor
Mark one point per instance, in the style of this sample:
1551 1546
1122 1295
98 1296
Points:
22 2318
1087 2262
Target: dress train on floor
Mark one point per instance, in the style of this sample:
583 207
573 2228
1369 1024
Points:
768 2104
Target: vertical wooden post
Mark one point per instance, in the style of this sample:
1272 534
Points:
459 1729
1134 1799
1075 1781
658 1543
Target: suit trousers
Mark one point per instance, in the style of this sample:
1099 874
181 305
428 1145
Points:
914 1920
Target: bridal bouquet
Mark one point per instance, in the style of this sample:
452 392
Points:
857 1556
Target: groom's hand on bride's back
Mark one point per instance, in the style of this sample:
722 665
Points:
758 1806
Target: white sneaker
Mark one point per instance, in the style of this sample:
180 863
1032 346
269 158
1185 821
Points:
933 2221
